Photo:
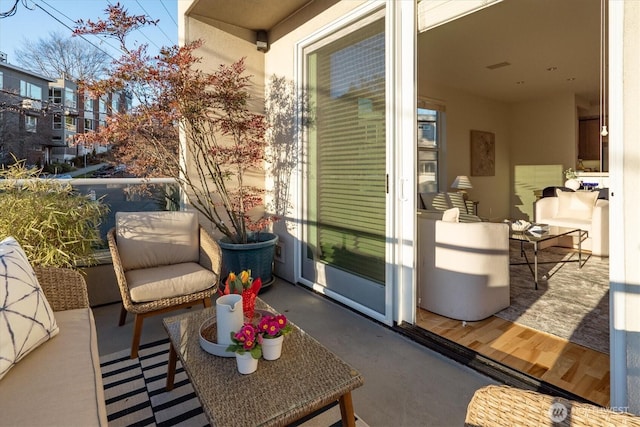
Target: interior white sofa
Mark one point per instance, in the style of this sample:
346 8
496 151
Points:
579 209
463 270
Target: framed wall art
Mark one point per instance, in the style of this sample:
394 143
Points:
483 153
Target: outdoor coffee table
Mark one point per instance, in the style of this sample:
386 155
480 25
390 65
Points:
549 232
307 377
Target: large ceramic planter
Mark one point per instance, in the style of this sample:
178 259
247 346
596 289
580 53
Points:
256 256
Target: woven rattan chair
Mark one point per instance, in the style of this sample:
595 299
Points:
65 289
504 406
153 239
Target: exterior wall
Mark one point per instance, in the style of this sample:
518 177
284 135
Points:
14 139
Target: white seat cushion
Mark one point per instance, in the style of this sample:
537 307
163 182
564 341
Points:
59 383
152 284
576 204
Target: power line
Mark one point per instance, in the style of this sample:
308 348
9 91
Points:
159 27
71 29
168 13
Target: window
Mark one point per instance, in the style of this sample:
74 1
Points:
429 144
29 90
70 98
88 103
103 105
55 95
88 124
1 80
57 122
70 123
30 124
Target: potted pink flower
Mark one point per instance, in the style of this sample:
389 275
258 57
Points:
247 345
273 329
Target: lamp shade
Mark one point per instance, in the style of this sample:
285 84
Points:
461 182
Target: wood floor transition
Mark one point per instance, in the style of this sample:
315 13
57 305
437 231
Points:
572 367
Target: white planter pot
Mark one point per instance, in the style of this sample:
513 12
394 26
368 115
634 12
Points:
246 363
572 183
272 348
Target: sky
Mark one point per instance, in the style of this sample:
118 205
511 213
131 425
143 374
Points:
35 19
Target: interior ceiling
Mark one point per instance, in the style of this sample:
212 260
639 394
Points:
531 35
552 46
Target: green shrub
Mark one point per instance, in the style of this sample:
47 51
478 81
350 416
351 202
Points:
55 225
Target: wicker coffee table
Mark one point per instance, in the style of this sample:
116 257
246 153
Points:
307 377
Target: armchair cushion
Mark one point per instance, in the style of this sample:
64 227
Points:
150 239
167 281
26 318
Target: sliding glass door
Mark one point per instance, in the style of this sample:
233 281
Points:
345 185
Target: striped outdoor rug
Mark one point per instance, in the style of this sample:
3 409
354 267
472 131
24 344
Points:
135 394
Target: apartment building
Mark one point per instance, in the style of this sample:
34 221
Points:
41 117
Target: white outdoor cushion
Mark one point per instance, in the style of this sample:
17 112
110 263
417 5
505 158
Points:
26 318
150 239
576 204
152 284
451 215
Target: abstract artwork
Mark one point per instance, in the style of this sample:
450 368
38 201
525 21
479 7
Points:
483 153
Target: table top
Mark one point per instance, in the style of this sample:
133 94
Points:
549 232
305 378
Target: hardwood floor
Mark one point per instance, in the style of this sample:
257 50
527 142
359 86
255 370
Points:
572 367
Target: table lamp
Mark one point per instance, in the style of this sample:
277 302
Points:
462 183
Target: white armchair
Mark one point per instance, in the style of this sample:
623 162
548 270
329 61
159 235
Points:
577 210
463 270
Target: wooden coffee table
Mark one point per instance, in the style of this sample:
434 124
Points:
307 377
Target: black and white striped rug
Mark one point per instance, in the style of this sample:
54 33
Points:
135 393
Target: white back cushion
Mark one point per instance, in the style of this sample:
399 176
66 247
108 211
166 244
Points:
151 239
26 318
451 215
577 205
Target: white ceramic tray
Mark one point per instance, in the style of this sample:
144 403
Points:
209 335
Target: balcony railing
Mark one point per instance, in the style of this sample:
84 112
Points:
129 195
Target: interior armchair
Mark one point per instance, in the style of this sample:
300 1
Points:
163 261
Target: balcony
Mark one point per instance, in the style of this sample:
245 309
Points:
405 382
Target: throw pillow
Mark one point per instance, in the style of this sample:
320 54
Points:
457 201
451 215
576 205
26 318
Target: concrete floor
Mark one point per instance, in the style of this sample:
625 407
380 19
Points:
406 384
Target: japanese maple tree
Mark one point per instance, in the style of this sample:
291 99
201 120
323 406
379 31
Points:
222 140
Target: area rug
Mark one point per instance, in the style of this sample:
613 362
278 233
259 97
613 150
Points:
570 303
135 394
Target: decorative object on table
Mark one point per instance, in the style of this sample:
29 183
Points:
247 345
462 183
483 153
572 181
208 337
246 286
273 330
229 316
520 225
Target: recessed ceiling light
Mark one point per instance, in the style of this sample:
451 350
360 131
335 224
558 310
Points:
520 82
498 65
552 68
570 79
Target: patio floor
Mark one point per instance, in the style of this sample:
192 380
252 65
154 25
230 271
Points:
406 384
